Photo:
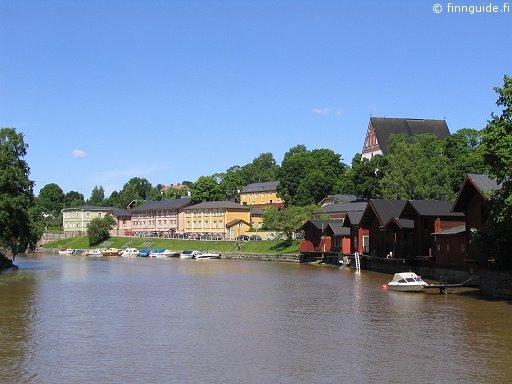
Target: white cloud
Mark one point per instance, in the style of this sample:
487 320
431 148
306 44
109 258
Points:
328 111
78 153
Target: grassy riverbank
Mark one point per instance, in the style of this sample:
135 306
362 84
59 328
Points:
264 246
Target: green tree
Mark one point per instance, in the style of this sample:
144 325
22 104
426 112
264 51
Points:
497 140
262 168
366 175
136 188
19 226
97 196
417 169
231 183
288 219
73 199
98 230
306 177
466 153
51 199
206 188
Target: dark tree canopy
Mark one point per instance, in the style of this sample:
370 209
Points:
51 199
19 225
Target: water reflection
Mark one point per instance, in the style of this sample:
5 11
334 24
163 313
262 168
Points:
73 319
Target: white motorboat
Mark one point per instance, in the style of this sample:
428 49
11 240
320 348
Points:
162 253
93 252
68 251
207 256
189 254
129 252
406 282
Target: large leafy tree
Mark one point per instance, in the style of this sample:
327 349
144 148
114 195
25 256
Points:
417 169
465 150
231 183
73 199
51 199
97 196
288 219
262 168
19 221
136 188
366 175
206 188
306 177
497 140
98 230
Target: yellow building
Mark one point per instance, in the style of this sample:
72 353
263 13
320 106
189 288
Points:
224 219
261 195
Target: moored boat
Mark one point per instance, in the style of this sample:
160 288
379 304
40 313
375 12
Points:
111 252
207 256
406 282
144 252
129 252
93 253
162 253
68 251
188 254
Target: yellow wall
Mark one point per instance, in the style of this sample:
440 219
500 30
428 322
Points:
260 198
213 220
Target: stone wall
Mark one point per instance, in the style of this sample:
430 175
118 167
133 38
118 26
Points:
496 284
262 257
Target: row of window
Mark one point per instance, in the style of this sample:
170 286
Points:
160 213
255 195
81 214
204 224
151 223
202 212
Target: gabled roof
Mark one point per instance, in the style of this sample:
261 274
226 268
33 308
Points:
385 127
87 208
451 231
353 218
235 222
219 204
163 204
344 207
474 183
401 223
318 224
431 208
383 210
260 187
338 229
118 212
338 198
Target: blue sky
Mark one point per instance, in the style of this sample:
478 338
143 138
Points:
172 90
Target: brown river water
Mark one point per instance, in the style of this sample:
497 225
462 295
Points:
70 319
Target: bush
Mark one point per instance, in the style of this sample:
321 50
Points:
98 229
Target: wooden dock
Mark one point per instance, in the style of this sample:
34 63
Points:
443 287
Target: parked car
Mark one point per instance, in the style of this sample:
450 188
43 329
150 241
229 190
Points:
299 236
242 238
255 238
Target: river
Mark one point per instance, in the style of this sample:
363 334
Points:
69 319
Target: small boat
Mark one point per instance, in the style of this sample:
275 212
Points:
162 253
93 252
111 252
68 251
129 252
144 252
207 256
406 282
189 254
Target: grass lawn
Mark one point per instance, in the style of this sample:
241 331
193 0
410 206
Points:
263 246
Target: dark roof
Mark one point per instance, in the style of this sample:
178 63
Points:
260 187
353 218
385 127
219 204
318 224
383 210
163 204
401 223
87 208
338 229
338 198
451 231
431 208
256 211
344 207
117 212
474 183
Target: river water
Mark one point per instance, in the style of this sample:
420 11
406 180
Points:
66 319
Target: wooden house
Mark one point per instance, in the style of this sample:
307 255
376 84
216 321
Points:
472 201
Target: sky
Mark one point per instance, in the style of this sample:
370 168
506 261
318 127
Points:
171 90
